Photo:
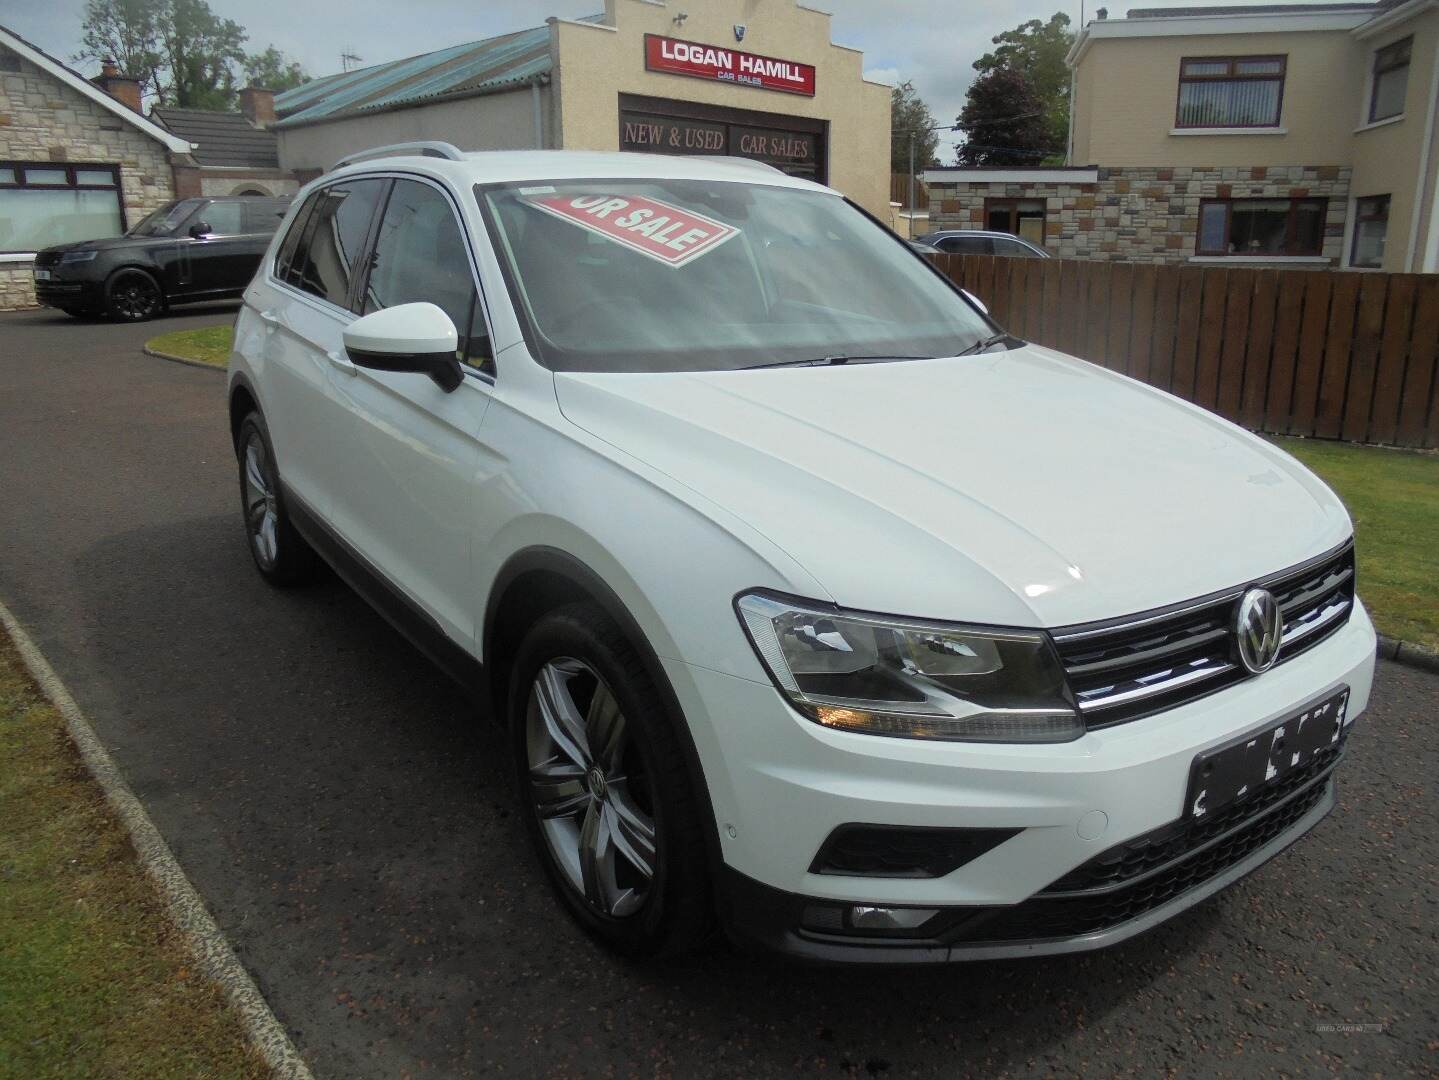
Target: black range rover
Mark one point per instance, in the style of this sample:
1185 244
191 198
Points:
188 250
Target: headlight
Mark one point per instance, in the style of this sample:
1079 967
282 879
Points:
67 257
904 677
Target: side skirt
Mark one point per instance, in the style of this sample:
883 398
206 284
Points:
397 609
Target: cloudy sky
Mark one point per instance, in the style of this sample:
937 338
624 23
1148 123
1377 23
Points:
931 42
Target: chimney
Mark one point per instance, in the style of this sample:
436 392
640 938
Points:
258 106
124 90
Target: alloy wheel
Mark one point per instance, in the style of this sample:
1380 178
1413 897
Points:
262 516
135 297
588 788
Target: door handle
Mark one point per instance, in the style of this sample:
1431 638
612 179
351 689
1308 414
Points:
270 319
341 361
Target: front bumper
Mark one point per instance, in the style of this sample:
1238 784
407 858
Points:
780 785
70 295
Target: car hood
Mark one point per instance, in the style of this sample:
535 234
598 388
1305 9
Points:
109 243
1021 487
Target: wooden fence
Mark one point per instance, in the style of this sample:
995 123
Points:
1292 352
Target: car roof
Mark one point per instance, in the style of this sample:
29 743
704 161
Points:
518 166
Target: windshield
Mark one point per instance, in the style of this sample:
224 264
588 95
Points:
692 275
163 221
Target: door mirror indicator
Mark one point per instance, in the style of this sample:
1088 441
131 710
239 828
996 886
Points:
200 230
417 338
976 301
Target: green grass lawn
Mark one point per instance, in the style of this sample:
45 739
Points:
1393 497
95 981
208 345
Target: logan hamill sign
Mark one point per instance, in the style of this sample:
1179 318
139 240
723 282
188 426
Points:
719 64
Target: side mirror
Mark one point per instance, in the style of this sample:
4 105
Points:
976 301
418 338
200 230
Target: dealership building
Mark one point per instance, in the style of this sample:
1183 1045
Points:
753 78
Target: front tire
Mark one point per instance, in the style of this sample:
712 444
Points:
281 554
607 795
133 296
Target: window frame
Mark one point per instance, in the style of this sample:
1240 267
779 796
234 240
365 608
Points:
1291 228
71 168
1360 218
1014 201
1376 70
1231 75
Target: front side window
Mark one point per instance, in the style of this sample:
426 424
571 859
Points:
1371 223
43 203
165 220
1230 91
1261 227
1018 217
695 275
223 219
1391 80
325 263
421 254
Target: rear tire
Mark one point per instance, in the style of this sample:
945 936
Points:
133 296
281 554
606 793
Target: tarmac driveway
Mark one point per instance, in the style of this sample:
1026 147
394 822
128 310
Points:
351 825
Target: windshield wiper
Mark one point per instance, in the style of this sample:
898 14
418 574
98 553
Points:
983 344
832 361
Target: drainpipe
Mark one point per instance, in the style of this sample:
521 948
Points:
539 116
1427 260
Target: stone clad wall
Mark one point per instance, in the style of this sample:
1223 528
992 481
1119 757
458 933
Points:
1145 214
42 119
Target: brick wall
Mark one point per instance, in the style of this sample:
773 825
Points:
42 119
1145 214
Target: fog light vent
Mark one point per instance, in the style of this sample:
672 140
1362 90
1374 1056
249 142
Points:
901 851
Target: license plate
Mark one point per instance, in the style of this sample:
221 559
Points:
1220 776
42 275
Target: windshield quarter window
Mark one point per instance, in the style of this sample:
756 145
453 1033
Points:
697 275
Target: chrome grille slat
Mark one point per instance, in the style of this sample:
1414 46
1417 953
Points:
1122 669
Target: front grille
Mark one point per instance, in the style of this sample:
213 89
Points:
1053 915
1123 669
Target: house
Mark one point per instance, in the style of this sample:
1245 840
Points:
77 159
1292 135
725 77
234 152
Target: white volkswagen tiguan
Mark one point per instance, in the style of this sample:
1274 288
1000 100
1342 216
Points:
815 606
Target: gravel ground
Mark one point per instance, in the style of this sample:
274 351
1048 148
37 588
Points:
350 822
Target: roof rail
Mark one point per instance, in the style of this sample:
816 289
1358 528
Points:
426 148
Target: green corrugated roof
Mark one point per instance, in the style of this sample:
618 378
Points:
478 65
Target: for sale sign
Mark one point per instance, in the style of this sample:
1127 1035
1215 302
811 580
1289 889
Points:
727 65
665 232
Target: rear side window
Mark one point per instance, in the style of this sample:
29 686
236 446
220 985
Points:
262 215
291 243
420 255
1013 247
966 245
328 257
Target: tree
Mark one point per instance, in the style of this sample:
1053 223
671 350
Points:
1002 122
909 114
1036 50
181 51
275 71
127 32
